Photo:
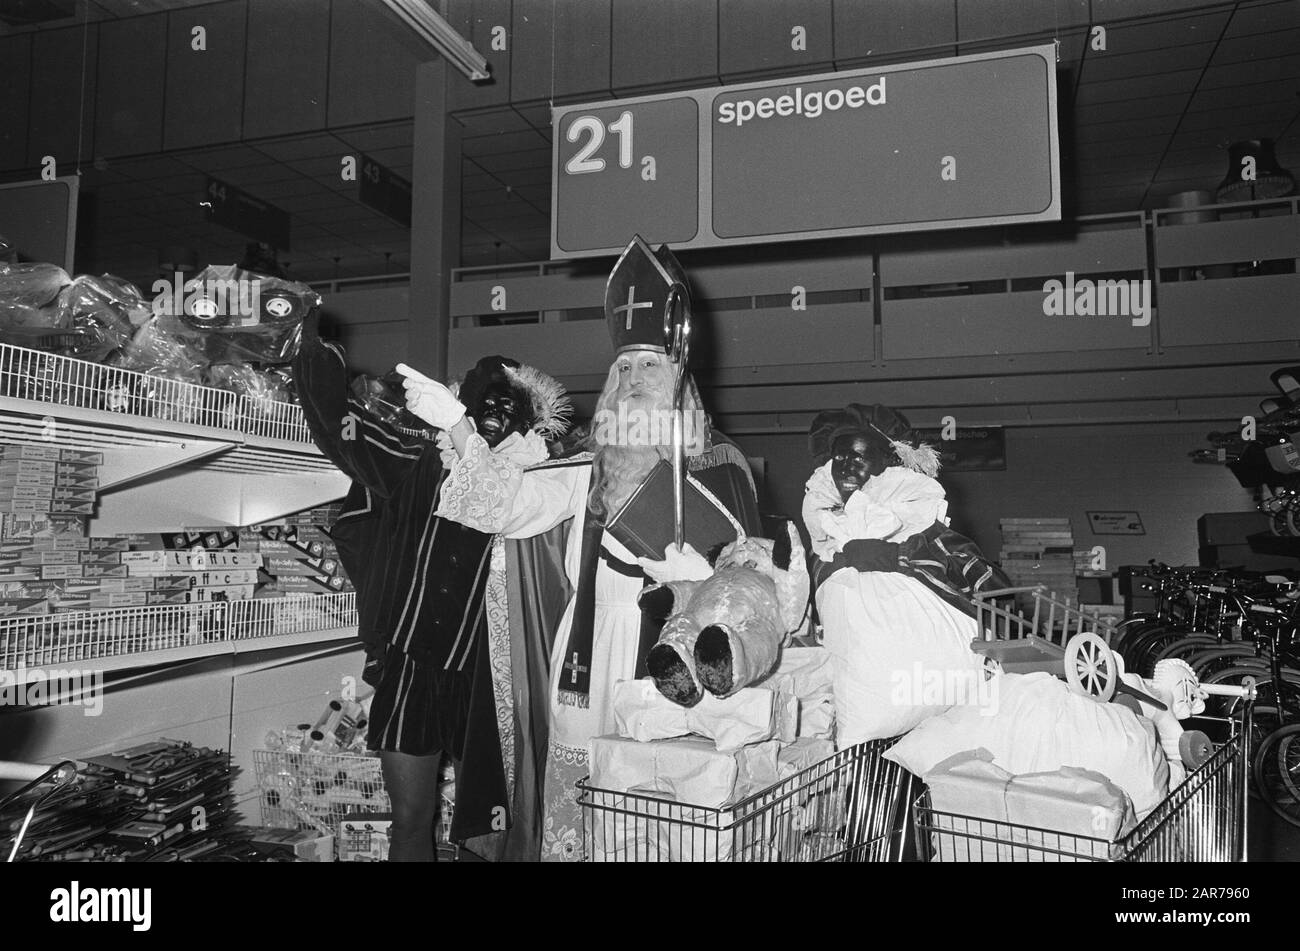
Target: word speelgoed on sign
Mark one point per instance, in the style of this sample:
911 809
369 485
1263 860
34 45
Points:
949 143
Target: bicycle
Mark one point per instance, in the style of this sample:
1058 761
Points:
1275 668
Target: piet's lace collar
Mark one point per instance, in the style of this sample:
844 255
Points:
523 450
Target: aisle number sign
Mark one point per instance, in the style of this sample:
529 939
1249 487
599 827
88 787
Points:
952 143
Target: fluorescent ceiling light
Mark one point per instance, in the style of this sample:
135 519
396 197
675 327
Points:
438 33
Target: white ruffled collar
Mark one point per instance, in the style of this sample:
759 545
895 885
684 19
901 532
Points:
524 450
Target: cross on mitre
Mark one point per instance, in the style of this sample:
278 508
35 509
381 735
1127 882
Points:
636 295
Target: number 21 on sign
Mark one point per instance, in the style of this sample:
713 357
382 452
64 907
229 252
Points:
583 162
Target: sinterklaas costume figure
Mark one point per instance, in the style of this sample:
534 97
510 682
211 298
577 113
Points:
601 636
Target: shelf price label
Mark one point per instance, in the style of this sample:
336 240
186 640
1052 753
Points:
633 161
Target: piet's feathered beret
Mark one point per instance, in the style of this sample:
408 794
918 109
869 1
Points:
546 407
880 425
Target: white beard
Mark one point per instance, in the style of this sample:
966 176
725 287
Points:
618 469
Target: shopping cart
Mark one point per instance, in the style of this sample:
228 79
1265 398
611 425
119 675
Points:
850 807
1203 819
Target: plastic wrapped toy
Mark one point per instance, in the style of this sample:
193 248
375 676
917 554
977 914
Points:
225 314
29 296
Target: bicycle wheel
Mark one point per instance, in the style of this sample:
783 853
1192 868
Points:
1276 771
1125 631
1189 645
1267 715
1209 662
1145 650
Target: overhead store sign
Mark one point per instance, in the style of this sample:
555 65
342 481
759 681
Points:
952 143
385 191
967 449
239 211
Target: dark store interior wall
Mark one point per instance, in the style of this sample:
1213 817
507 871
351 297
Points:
1062 472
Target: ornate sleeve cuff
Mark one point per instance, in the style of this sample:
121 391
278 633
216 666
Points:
480 487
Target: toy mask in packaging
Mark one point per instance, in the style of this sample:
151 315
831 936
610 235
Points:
229 315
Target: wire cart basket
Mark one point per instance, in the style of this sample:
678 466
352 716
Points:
850 807
1202 820
315 790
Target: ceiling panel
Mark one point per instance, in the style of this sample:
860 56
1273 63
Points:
1269 117
1162 33
1245 49
1091 92
493 122
369 138
502 143
1262 16
1128 109
1114 65
303 147
1150 116
538 116
1222 97
1276 69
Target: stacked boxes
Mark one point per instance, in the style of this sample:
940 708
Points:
298 557
48 480
195 576
51 565
46 495
1041 551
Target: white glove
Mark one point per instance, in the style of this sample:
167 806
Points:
685 564
430 400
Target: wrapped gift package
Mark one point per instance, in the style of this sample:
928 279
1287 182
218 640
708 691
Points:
1070 813
1038 724
689 769
806 673
750 715
640 829
626 829
804 752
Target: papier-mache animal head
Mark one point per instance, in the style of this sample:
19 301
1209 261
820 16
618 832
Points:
785 565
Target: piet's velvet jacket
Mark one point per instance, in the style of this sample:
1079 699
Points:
419 579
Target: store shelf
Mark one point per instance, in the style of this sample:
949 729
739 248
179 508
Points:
39 647
174 453
146 402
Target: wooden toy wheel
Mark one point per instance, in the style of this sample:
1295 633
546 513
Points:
1090 667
